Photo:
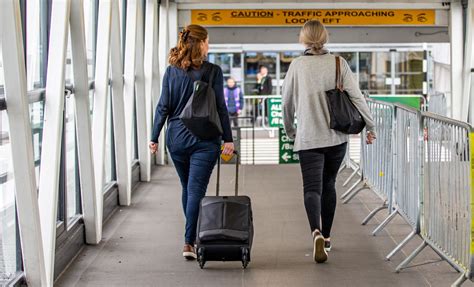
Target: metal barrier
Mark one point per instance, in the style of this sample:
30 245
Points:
421 167
255 108
245 124
446 207
376 160
406 172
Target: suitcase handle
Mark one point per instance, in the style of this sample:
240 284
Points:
237 161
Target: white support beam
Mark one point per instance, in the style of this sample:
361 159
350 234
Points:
143 125
173 24
457 46
468 88
164 47
129 71
152 81
122 145
91 210
101 94
52 131
21 142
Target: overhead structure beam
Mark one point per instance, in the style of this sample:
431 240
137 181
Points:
311 5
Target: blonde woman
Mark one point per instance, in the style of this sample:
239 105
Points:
321 150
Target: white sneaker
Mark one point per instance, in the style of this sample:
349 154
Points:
319 252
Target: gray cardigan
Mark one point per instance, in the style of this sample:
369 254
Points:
303 96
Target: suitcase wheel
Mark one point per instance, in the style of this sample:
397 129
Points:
245 257
200 258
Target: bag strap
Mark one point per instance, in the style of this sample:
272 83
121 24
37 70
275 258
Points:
339 84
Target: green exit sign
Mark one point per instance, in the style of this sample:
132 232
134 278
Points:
275 115
286 154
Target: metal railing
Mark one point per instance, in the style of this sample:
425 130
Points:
376 160
430 182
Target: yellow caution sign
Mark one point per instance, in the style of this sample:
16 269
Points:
345 17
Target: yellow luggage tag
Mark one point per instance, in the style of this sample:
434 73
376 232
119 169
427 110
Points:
225 157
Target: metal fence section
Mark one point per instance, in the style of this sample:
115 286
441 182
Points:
447 201
420 166
376 160
406 172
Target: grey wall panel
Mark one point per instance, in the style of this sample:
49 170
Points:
135 176
68 247
273 35
111 202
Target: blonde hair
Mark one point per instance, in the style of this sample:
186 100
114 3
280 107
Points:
314 35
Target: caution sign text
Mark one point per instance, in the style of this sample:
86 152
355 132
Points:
260 17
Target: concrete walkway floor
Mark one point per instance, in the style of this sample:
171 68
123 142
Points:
142 243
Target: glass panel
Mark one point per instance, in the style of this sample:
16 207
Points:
230 63
2 80
37 120
89 12
33 51
9 259
285 60
253 62
374 70
68 69
108 144
72 181
409 72
351 59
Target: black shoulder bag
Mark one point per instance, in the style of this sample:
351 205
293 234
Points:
345 117
200 114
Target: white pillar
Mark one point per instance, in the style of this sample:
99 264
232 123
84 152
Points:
164 48
52 131
468 88
457 43
11 42
91 210
152 81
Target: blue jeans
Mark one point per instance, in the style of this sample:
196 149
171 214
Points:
194 166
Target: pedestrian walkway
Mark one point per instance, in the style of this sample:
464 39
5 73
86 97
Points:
142 242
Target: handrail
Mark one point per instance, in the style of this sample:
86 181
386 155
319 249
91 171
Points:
38 95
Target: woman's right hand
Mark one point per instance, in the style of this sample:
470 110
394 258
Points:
228 148
153 147
370 138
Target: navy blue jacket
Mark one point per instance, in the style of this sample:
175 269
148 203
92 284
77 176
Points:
176 90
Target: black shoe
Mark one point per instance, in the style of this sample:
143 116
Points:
319 253
327 245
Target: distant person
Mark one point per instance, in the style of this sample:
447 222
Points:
193 158
321 149
234 100
264 88
264 82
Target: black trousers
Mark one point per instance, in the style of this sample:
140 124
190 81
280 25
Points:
319 168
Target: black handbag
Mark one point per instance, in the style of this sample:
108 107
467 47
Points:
200 114
344 116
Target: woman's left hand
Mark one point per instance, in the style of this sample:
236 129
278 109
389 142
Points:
228 149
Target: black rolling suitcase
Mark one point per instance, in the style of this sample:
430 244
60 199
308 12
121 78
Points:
225 226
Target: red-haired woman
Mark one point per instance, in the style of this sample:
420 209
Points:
193 158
